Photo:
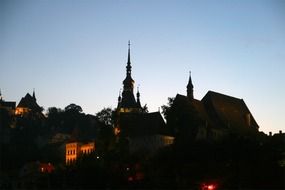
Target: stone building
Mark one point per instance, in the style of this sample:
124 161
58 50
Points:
216 115
73 150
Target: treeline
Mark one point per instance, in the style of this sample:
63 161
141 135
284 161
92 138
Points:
31 138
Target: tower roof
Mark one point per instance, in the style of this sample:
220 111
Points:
190 93
29 102
128 99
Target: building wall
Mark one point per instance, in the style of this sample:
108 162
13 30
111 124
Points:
150 142
75 149
87 148
21 110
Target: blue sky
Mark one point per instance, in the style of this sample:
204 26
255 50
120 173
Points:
76 52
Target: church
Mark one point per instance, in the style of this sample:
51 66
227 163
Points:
141 129
214 117
29 105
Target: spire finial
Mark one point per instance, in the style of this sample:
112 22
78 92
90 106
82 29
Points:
119 98
34 96
129 67
129 52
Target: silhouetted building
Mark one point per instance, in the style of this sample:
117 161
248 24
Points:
9 106
217 114
28 104
142 130
128 103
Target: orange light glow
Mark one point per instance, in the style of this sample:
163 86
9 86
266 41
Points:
117 131
208 187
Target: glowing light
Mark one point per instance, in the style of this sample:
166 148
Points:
211 187
117 131
208 187
130 178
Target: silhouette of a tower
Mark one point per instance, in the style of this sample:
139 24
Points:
128 103
190 91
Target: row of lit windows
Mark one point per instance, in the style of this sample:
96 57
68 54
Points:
69 161
70 152
84 151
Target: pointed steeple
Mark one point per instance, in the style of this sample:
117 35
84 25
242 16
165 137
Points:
190 88
34 96
128 82
129 67
128 100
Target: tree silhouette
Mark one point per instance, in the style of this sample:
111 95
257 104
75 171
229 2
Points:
106 116
73 108
166 108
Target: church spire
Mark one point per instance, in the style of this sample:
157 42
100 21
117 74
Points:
190 88
129 67
128 99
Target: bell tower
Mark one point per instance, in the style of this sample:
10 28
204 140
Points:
128 103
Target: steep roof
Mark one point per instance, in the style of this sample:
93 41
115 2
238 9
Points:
29 102
229 110
199 107
141 124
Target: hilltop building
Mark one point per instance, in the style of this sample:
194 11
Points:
216 115
142 130
28 104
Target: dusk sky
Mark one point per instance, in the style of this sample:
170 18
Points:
75 51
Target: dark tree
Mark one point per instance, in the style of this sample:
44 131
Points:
166 108
73 108
106 116
145 109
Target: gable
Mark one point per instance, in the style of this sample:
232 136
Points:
230 111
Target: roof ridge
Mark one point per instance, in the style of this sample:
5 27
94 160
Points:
210 92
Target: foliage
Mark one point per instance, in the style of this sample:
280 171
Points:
106 116
145 109
166 108
73 108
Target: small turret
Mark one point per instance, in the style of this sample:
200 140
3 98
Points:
34 96
138 99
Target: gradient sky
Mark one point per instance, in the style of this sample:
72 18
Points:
76 52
